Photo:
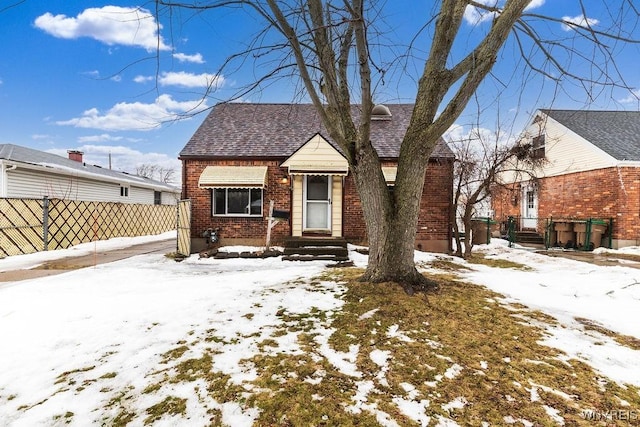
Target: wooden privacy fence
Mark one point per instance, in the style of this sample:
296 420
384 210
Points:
33 225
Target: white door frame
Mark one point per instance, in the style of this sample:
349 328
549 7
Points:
530 206
327 202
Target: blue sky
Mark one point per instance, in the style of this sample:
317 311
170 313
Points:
88 75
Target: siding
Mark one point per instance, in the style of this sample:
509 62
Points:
23 183
336 206
317 155
567 152
296 208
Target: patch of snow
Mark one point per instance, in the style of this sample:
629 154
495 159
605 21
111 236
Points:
368 314
453 371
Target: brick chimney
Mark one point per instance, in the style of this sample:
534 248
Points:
75 155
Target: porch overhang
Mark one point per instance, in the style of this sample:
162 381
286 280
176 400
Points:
390 173
311 169
233 177
316 157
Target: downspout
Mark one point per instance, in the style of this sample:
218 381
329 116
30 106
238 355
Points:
3 177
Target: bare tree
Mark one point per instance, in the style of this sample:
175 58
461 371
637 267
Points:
333 47
157 172
483 159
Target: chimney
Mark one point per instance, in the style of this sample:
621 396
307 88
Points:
75 155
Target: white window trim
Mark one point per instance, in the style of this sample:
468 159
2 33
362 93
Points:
236 215
126 190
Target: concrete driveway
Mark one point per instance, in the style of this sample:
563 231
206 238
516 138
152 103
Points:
58 266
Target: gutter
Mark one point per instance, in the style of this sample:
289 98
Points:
92 176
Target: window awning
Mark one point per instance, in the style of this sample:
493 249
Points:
233 177
389 173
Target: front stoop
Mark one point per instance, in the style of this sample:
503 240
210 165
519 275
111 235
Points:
529 237
315 248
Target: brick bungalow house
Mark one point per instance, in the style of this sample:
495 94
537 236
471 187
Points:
591 170
245 155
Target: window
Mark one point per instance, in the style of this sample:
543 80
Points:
531 200
237 201
537 147
157 197
124 191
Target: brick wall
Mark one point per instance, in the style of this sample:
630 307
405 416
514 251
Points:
244 230
434 222
603 193
433 232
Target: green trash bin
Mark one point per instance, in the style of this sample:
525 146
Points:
481 230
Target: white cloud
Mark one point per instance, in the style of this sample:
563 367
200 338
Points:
183 79
474 15
534 4
39 136
122 158
580 21
112 25
136 115
99 138
142 79
632 98
195 58
191 80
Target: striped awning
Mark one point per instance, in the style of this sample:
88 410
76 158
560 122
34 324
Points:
389 173
233 177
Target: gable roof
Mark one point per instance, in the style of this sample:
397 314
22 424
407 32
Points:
615 132
63 165
278 130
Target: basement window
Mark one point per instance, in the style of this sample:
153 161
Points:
537 147
237 201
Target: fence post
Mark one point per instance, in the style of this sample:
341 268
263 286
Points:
45 223
511 232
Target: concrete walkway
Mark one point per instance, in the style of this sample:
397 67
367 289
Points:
61 265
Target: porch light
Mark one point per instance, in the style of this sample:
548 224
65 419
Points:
284 180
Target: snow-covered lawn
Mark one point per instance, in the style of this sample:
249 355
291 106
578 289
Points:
100 345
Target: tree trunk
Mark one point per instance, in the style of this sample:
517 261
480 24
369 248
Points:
391 222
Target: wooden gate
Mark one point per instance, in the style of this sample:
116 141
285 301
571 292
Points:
184 227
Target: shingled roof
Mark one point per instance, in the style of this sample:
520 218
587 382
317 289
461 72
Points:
615 132
53 162
278 130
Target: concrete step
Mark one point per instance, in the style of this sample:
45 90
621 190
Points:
317 250
298 257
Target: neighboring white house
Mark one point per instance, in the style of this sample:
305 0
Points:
591 170
29 173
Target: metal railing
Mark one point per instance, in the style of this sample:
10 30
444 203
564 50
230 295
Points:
570 233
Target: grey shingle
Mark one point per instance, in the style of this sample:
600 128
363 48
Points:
615 132
278 130
22 154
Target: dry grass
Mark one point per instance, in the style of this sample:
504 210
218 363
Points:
503 370
459 345
626 340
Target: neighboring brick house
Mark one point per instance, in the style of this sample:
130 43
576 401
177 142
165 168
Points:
245 155
592 170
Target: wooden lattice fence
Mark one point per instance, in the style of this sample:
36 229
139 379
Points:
21 227
28 225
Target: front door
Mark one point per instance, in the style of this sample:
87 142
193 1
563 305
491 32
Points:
317 203
530 208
